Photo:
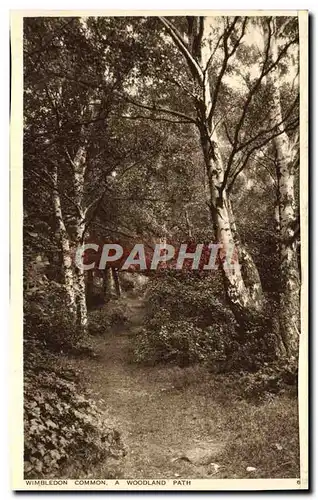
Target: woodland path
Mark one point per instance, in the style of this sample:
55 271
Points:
160 416
184 423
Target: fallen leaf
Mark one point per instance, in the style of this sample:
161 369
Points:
251 469
215 466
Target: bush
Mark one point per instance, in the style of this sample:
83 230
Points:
249 351
188 321
180 342
101 320
63 426
127 282
188 295
116 312
98 322
46 319
272 378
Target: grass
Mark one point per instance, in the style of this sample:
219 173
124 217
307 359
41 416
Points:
164 411
264 437
256 434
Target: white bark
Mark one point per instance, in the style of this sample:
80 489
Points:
289 294
81 299
64 243
79 166
242 283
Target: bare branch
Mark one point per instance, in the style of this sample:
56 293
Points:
227 56
291 126
264 71
163 110
68 156
268 170
135 163
227 133
265 131
157 119
213 53
195 68
97 202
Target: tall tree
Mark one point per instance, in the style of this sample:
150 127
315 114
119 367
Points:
286 162
243 286
68 141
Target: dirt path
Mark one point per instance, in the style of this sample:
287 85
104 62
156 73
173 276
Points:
163 421
184 423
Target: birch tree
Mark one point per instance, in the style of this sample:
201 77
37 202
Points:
198 50
67 137
63 240
286 162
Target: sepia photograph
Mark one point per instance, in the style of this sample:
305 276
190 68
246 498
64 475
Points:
163 196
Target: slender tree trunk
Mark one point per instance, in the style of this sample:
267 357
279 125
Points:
64 243
289 274
285 164
116 282
81 299
189 229
275 320
79 165
89 284
107 284
242 282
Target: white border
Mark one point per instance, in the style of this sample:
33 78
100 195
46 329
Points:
127 5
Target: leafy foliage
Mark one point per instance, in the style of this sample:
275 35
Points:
180 342
188 294
62 425
188 321
105 84
101 320
271 379
48 322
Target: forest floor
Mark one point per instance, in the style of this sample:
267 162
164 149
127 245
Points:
185 423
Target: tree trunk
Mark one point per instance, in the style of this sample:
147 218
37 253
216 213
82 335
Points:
107 284
116 282
242 283
285 167
289 274
64 243
189 229
81 305
79 165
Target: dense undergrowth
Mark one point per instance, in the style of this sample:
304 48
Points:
188 329
63 428
101 320
188 322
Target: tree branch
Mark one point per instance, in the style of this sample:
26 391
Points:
157 119
194 67
266 131
163 110
227 56
54 188
257 146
